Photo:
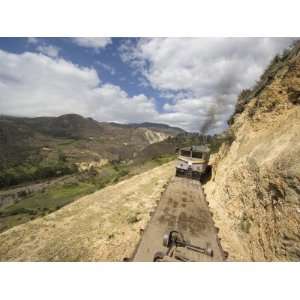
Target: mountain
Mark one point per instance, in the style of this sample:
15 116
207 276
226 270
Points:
158 127
75 134
254 192
57 143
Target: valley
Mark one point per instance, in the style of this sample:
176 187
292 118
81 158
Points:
65 162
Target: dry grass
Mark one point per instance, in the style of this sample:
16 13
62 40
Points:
97 227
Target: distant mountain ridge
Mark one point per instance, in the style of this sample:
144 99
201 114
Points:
60 125
158 127
26 140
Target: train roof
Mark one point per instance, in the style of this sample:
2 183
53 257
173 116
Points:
201 148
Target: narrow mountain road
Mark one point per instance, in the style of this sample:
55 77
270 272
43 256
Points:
183 208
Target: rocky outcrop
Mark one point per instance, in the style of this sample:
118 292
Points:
154 136
254 192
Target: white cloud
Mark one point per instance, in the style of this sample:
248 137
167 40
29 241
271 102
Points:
49 50
42 47
92 42
33 84
114 104
192 70
202 64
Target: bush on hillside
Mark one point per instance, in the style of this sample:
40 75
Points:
26 173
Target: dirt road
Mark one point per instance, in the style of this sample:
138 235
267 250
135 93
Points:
183 208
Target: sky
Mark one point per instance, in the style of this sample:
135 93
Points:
176 81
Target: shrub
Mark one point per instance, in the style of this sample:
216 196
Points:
61 156
245 223
133 219
25 173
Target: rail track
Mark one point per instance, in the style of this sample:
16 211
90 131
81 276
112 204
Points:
183 208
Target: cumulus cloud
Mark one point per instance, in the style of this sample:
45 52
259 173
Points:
42 46
49 50
203 76
33 84
92 42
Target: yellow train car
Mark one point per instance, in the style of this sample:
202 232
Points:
192 161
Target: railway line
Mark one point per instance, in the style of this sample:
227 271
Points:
182 208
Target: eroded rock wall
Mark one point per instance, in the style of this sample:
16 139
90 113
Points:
254 192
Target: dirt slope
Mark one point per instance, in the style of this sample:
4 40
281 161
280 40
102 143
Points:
104 226
254 192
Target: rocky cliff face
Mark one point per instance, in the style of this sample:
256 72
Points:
254 192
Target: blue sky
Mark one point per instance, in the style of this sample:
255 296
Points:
106 61
177 81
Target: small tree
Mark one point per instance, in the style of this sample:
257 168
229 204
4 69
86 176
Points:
61 156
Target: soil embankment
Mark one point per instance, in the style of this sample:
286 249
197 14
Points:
103 226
